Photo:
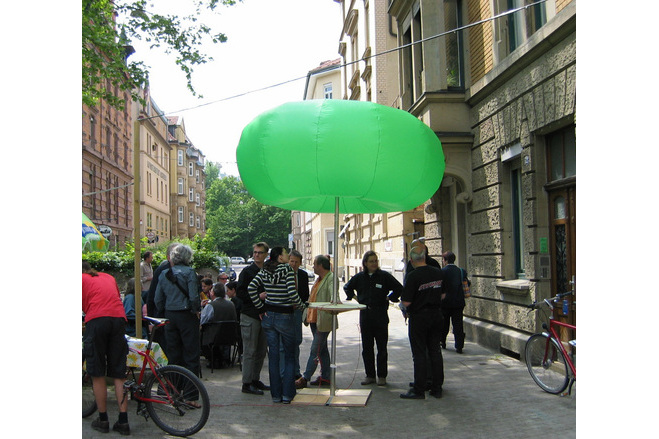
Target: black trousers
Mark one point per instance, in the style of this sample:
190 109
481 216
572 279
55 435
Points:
183 343
424 332
374 326
455 317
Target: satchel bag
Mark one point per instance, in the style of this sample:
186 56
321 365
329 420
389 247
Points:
174 279
465 284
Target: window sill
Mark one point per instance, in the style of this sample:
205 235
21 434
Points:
518 287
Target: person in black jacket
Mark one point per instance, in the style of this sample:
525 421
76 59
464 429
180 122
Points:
375 288
453 301
255 345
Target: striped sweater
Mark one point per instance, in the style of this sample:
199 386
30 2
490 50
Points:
279 287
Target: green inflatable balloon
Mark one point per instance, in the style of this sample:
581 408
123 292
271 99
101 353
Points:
374 158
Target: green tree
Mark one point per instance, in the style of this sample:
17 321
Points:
109 26
235 220
212 171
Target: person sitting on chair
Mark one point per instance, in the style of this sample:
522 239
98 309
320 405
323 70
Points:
219 309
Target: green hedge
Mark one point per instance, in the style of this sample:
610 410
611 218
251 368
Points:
122 263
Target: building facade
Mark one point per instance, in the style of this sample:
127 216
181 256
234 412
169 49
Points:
107 168
187 182
370 73
151 137
501 97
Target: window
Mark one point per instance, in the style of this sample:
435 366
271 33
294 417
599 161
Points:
197 175
198 222
180 157
191 169
157 189
180 214
191 219
513 30
513 219
454 44
148 183
180 186
327 91
191 194
517 217
562 154
149 221
197 199
329 234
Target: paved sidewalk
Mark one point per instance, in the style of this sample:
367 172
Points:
486 395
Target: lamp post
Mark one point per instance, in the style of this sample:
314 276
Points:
136 228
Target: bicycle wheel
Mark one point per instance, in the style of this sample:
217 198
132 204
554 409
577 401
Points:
182 406
88 400
546 363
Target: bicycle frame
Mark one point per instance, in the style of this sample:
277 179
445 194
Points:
553 324
152 365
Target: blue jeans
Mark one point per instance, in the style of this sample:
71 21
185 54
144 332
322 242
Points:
298 341
279 330
318 351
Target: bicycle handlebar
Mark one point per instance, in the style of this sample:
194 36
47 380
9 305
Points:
155 320
536 305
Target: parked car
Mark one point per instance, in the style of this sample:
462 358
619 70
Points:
224 266
250 260
312 275
237 260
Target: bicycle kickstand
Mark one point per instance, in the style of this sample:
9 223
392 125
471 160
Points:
569 388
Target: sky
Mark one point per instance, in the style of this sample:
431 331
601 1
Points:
269 42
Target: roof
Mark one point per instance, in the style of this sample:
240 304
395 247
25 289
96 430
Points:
326 65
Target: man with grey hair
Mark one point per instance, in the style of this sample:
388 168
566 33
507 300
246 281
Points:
177 294
148 297
421 296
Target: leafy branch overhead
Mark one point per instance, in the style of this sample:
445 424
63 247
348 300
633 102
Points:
108 29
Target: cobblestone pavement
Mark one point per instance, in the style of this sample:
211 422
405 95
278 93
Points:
486 395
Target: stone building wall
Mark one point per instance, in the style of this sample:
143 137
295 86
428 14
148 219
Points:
533 96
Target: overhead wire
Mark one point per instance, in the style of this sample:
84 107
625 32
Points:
385 52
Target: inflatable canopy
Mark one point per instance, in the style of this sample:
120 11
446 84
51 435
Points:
92 240
373 158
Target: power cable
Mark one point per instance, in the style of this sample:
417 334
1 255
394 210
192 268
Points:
404 46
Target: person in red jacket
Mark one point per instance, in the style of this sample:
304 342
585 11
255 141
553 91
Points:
104 343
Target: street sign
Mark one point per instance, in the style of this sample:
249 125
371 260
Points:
106 231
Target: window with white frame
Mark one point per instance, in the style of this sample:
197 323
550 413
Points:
191 169
198 222
197 175
327 91
181 187
180 157
329 239
191 194
180 214
191 219
197 199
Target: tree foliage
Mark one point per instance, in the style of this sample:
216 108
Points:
109 27
235 220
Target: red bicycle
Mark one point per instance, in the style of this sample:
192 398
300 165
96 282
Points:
171 395
548 361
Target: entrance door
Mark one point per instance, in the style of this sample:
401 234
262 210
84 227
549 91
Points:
563 252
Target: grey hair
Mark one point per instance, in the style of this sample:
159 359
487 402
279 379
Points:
181 254
418 254
218 290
